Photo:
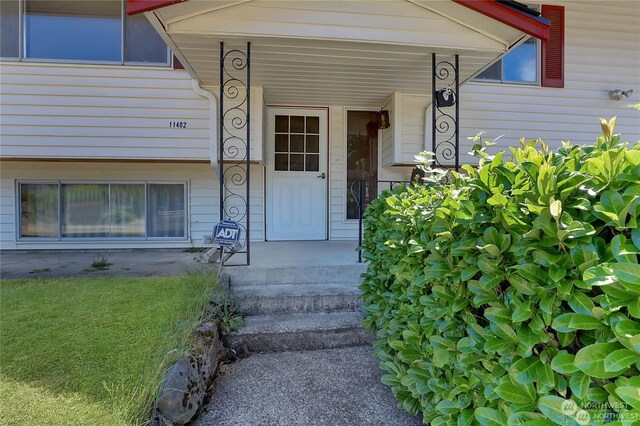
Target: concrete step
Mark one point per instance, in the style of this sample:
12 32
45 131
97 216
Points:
297 332
296 298
252 275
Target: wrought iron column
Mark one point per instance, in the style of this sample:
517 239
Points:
445 132
235 141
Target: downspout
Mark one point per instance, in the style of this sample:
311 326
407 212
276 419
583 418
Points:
213 110
210 255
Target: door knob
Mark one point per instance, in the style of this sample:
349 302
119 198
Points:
322 176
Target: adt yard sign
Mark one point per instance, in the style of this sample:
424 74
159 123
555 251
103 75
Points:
226 233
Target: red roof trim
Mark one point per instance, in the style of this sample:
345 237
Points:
510 16
139 6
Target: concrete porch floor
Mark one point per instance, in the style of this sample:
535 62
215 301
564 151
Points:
158 262
267 254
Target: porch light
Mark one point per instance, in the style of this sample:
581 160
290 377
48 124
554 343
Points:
382 117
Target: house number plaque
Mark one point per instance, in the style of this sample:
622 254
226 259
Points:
178 124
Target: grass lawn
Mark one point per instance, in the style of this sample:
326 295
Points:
94 350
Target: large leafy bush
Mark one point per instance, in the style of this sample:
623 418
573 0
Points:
512 295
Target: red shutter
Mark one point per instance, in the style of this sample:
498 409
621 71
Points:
553 49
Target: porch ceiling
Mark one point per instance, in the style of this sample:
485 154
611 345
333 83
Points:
316 72
351 53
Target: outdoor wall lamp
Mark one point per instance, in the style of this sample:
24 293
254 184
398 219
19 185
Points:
382 117
618 95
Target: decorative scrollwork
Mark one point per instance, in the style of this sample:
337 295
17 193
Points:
235 145
445 132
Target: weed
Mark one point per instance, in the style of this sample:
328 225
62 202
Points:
195 250
101 261
225 309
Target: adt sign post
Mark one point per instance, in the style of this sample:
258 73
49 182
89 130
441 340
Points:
227 234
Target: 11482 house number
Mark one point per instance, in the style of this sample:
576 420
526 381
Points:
178 124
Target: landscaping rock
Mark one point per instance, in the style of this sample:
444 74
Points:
182 393
208 330
210 360
159 420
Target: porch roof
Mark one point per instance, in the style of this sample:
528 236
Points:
354 53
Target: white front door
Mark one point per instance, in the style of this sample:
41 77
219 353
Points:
297 174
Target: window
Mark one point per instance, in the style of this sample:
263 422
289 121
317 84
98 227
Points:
76 210
166 210
39 210
362 158
82 31
72 30
519 66
297 143
9 29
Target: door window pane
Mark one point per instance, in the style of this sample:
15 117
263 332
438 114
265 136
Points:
39 210
73 30
9 29
297 124
296 162
282 143
312 163
362 158
282 162
127 210
166 210
313 125
282 123
142 42
313 144
297 143
85 210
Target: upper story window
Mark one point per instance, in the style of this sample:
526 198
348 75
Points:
519 66
78 31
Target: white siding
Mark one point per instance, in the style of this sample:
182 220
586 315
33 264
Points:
602 52
414 108
339 227
237 116
86 111
203 196
388 135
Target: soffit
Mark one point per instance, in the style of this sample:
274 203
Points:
334 53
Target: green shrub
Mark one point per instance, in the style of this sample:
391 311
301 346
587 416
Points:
511 296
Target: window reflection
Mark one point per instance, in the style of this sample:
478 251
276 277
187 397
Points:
520 65
9 29
73 30
362 157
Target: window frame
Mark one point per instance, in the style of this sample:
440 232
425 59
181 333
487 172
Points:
60 182
22 46
502 80
538 83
